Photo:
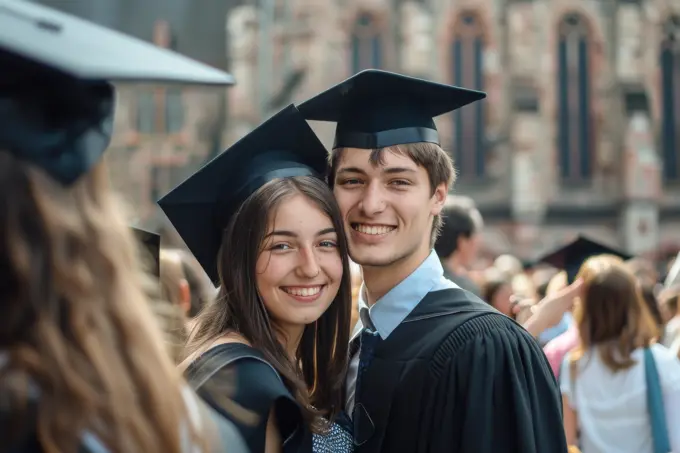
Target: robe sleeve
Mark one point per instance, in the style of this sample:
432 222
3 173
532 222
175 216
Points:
495 391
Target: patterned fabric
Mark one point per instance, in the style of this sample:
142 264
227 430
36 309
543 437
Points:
337 440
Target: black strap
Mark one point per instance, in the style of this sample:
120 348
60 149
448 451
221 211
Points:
201 373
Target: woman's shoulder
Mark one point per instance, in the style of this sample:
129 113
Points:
243 373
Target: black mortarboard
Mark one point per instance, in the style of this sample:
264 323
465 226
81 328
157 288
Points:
150 244
376 109
56 105
201 207
571 256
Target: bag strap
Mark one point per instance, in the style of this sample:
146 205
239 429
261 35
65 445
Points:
655 405
198 375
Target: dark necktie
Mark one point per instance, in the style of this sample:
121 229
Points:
369 340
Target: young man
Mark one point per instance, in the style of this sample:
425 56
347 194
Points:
458 241
438 370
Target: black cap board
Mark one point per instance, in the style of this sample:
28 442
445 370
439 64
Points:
571 256
376 109
150 244
201 207
56 102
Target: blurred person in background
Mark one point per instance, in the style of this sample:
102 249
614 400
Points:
510 266
670 309
497 291
82 363
280 322
603 380
649 298
200 289
458 242
176 302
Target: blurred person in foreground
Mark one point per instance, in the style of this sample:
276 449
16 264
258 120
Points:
458 242
604 380
82 362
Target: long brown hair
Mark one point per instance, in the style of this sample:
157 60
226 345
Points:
318 378
75 319
612 316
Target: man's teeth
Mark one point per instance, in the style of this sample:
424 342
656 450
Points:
372 229
311 291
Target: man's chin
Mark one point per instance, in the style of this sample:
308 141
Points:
373 258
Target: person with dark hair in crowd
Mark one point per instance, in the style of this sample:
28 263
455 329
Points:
83 365
458 242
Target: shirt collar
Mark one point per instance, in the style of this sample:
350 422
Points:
390 310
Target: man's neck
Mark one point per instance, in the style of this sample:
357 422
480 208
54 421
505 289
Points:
379 280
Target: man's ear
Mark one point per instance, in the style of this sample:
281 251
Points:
439 199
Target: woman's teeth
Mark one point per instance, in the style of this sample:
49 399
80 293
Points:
372 229
308 291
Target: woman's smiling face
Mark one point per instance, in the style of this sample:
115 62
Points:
299 268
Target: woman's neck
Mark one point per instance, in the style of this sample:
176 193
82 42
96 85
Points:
290 336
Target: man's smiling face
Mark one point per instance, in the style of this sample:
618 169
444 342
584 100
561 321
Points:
388 207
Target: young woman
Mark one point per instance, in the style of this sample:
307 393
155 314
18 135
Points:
280 323
82 364
603 379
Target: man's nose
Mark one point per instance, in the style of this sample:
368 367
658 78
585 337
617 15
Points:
373 200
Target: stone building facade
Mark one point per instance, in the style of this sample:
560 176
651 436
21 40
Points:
579 134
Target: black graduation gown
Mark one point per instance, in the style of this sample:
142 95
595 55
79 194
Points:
458 376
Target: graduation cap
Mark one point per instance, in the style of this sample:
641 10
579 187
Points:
376 109
56 102
571 256
150 244
201 207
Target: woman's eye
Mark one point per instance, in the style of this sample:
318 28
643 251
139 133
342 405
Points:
328 244
280 247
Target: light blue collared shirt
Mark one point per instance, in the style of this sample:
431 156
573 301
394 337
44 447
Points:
392 309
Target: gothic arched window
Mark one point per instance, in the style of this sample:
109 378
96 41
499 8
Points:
670 98
367 45
469 124
576 138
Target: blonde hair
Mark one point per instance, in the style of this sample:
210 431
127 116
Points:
75 318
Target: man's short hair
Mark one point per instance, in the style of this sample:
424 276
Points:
459 219
436 162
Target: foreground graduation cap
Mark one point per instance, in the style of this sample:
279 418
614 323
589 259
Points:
56 102
376 109
88 51
571 256
150 244
200 208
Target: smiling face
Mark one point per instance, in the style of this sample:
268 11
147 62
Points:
299 269
388 207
